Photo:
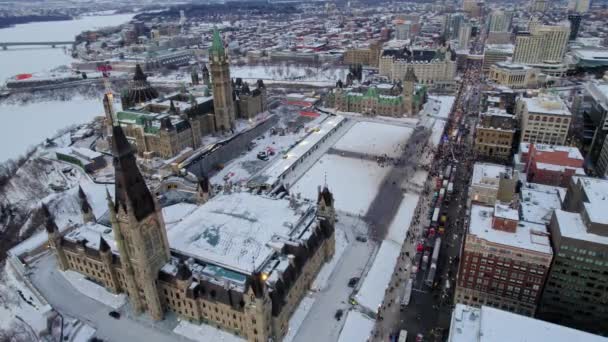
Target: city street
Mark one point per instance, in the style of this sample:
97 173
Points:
429 310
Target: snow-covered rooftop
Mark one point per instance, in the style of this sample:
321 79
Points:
235 230
538 202
571 225
272 174
92 232
378 277
528 235
596 191
357 328
486 324
573 152
546 104
506 212
488 173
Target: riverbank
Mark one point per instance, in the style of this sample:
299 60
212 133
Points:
6 22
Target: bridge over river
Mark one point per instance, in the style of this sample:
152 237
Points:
5 45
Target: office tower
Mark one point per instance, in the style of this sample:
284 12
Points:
543 43
575 24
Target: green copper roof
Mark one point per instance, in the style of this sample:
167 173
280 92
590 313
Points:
217 46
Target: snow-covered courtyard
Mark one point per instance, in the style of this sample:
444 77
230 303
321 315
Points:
374 139
354 182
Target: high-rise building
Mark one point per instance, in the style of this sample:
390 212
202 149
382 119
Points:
222 86
452 25
494 53
579 6
473 7
464 36
544 43
539 5
500 21
544 119
575 292
575 24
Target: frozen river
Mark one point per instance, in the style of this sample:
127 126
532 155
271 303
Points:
23 126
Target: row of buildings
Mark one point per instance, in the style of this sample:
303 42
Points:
226 262
164 126
536 249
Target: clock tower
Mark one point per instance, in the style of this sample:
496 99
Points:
223 102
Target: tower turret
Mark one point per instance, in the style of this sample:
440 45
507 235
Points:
54 237
409 84
85 207
138 228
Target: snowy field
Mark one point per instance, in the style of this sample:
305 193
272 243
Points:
204 333
397 231
378 277
357 328
354 182
94 291
375 139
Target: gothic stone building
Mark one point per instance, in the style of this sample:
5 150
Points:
385 99
165 125
241 262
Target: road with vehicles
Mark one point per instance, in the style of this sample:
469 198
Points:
429 307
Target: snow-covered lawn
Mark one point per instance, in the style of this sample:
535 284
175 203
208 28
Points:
357 328
378 277
20 305
397 231
375 139
205 333
94 291
353 182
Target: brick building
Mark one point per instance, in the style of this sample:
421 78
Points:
504 261
549 164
